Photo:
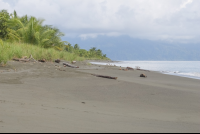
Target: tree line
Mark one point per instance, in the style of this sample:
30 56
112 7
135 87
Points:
30 30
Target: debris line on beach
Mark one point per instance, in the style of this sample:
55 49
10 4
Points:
25 59
69 65
103 76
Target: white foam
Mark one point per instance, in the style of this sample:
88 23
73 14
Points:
190 69
191 74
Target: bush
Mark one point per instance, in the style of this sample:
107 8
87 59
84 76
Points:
4 17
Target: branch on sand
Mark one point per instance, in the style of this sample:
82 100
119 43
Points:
69 65
24 60
103 76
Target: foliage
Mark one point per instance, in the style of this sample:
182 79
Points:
3 55
30 30
76 47
69 48
92 53
4 17
18 50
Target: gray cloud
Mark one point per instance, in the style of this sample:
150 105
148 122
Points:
170 20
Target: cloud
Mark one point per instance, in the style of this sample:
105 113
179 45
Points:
170 20
185 3
4 5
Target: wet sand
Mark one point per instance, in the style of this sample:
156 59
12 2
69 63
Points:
47 97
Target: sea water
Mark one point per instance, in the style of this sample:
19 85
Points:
190 69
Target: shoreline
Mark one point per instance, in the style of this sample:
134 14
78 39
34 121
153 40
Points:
163 72
47 97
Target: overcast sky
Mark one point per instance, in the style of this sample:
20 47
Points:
169 20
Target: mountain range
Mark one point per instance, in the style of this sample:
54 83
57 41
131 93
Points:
127 48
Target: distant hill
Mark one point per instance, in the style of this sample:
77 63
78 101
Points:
126 48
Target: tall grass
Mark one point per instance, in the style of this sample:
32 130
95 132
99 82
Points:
17 50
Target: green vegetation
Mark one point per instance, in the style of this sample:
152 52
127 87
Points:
22 36
4 17
17 50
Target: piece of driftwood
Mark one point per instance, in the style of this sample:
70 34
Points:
104 76
57 61
143 70
43 60
24 60
24 57
69 65
15 59
31 57
73 62
143 75
129 68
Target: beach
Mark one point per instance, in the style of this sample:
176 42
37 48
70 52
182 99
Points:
48 97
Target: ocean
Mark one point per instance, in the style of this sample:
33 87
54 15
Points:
190 69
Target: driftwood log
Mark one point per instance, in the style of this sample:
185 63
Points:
24 60
129 68
143 75
143 70
43 60
16 59
69 65
104 76
57 61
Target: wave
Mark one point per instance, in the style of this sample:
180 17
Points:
194 75
190 69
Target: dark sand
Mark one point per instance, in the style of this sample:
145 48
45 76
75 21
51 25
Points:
38 97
